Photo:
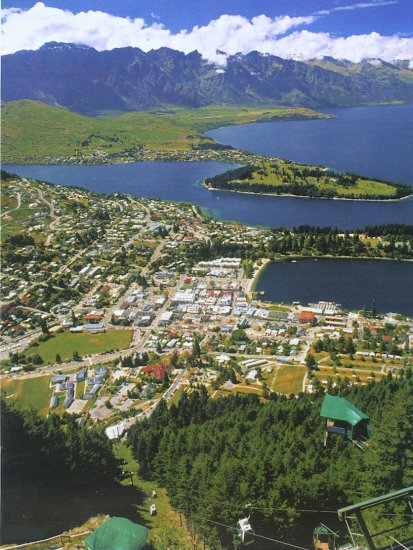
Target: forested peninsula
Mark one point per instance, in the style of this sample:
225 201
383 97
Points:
284 177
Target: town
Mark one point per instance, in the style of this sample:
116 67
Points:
111 303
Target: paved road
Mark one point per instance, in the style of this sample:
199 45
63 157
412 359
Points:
52 214
19 345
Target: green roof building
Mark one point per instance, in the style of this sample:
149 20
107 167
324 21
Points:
118 534
343 418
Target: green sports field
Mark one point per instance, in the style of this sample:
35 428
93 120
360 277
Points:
66 343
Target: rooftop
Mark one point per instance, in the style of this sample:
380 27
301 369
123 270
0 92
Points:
339 408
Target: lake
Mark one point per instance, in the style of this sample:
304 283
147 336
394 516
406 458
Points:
351 283
372 141
182 181
375 141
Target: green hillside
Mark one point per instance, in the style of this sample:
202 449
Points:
36 132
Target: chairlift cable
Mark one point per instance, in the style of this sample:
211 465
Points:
297 510
278 509
327 511
252 535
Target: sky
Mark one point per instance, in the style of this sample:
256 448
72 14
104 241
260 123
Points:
299 29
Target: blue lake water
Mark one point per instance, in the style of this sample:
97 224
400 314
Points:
372 141
351 283
182 181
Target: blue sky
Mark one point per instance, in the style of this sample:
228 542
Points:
386 18
290 28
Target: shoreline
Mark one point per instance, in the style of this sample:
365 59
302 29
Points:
306 196
331 257
251 283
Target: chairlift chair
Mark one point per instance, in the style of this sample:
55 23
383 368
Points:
153 510
244 528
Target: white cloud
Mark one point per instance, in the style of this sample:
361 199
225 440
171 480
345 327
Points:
358 6
30 29
355 48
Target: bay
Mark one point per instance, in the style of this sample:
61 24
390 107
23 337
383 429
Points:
371 141
353 283
182 181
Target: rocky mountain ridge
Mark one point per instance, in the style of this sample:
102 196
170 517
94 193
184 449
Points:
85 80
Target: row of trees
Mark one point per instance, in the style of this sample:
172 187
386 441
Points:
340 345
303 241
213 456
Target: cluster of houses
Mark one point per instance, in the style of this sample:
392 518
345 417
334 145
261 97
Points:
65 386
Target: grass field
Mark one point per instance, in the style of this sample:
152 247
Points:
243 388
28 393
66 343
357 363
289 379
365 377
33 131
215 116
268 377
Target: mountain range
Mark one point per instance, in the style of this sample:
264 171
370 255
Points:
87 81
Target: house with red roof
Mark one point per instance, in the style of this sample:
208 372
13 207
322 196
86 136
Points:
158 371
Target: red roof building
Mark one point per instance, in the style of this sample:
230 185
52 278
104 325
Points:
306 317
155 370
93 317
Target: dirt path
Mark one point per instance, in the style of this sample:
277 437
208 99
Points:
275 378
19 203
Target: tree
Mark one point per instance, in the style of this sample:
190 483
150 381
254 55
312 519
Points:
174 359
196 348
248 269
76 356
14 358
310 362
43 326
233 376
166 382
158 348
58 358
389 460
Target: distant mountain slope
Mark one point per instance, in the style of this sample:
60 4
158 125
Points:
87 81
